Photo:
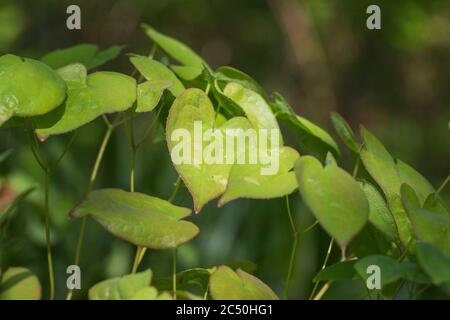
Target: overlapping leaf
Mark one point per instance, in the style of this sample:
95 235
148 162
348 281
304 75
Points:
138 218
19 283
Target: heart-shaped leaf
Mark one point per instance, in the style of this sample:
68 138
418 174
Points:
190 110
138 218
121 288
19 283
28 88
246 180
427 226
154 70
226 284
176 49
335 198
310 136
390 269
103 92
86 54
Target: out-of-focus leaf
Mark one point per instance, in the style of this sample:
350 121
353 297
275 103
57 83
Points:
379 214
28 88
138 218
176 49
427 226
390 269
121 288
154 70
149 94
340 271
435 204
19 283
310 136
335 198
246 180
104 92
204 181
434 262
345 132
197 277
5 155
11 208
330 159
225 284
86 54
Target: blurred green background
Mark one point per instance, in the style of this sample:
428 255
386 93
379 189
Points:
319 54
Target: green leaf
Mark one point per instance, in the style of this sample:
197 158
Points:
435 204
330 159
28 88
121 288
104 92
187 72
204 181
74 75
254 105
19 283
379 214
310 136
340 271
149 94
335 198
225 284
434 262
413 178
154 70
230 74
10 210
86 54
390 269
147 293
138 218
345 132
176 49
427 226
5 155
246 180
196 277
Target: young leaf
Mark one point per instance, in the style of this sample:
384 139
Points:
427 226
104 92
310 136
154 70
335 198
345 132
176 49
246 180
138 218
230 74
435 263
225 284
74 75
390 269
149 94
340 271
121 288
204 181
19 283
28 88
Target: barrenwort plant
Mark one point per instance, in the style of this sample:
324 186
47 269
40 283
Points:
384 215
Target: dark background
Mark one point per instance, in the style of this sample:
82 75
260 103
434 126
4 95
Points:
319 54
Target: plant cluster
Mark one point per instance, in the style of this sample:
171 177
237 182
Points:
384 213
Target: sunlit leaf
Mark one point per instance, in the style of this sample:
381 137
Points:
345 132
230 74
176 49
104 92
149 94
335 198
121 288
187 72
138 218
19 283
226 284
154 70
28 88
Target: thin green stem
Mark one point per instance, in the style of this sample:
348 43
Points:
174 273
356 168
291 218
324 264
66 149
48 239
443 184
175 191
